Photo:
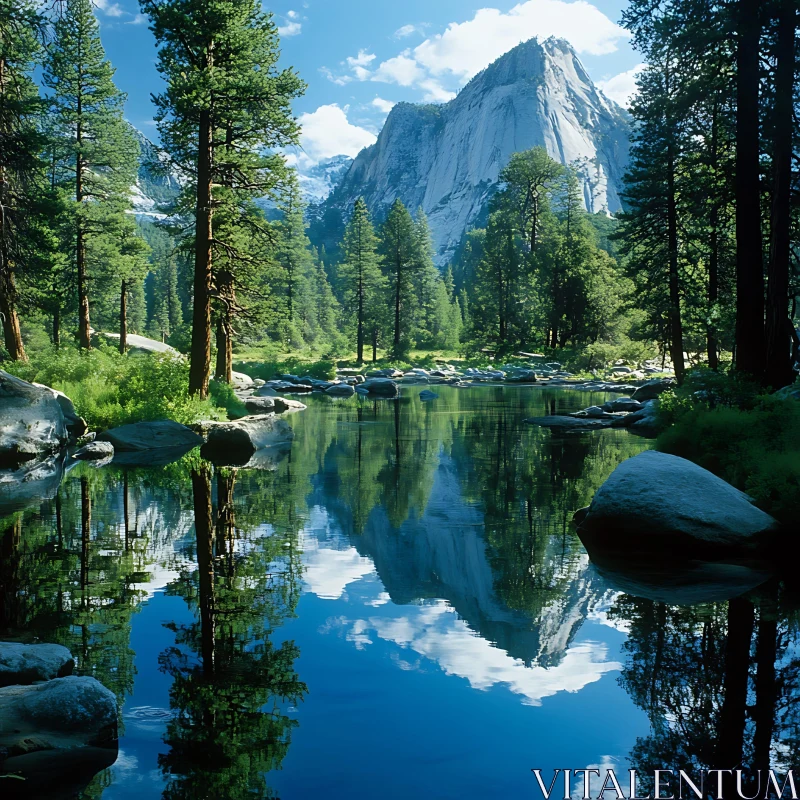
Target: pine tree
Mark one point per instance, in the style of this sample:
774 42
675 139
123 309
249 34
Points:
224 115
400 261
20 164
96 154
360 272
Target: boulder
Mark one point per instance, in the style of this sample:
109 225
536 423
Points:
340 390
652 389
260 405
428 395
235 443
627 404
659 500
95 451
32 424
55 736
382 387
142 436
362 391
385 373
28 663
643 421
241 381
141 344
265 391
76 426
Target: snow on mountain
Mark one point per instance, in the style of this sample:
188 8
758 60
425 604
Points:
318 181
446 159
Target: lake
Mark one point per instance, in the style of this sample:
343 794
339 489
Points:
398 608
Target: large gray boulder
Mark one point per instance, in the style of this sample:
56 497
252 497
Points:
76 426
141 436
28 663
656 499
55 736
272 405
235 443
32 424
140 344
382 387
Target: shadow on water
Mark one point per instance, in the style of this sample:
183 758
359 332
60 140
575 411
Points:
455 502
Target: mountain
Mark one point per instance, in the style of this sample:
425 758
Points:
319 181
153 186
446 159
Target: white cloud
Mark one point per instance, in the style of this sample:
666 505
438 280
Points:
109 9
291 28
327 132
466 48
407 30
139 19
384 106
435 632
328 571
621 88
402 70
293 14
435 92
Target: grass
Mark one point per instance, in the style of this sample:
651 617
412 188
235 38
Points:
109 389
750 439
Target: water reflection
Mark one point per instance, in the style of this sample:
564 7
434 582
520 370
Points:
437 535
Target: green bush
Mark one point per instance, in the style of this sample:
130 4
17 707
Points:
109 389
750 440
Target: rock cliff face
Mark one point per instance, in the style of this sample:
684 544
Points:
446 159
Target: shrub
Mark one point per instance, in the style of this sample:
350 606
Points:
109 389
266 370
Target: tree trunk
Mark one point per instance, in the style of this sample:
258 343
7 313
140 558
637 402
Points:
374 345
766 689
12 335
57 327
224 366
201 318
360 333
84 336
749 255
397 298
778 330
123 317
675 321
713 292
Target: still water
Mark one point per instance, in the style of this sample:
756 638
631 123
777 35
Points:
399 608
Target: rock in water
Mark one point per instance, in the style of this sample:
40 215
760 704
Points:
428 395
150 436
55 736
32 424
382 387
235 443
341 390
95 451
76 426
653 389
656 499
27 663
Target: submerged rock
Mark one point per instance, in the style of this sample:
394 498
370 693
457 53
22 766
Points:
235 443
428 395
32 424
28 663
55 736
656 499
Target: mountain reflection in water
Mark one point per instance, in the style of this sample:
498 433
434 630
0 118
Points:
398 607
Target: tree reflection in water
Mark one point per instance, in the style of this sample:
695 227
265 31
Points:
719 683
231 684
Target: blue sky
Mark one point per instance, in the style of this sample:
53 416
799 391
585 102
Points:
361 56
